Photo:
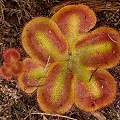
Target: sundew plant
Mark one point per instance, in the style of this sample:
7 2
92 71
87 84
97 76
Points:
67 61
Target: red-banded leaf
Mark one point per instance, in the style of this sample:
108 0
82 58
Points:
8 64
42 38
101 48
57 94
73 20
101 94
5 72
17 68
33 68
27 84
11 55
30 64
29 80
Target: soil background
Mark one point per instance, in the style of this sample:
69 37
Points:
14 14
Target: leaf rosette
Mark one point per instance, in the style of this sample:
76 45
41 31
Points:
64 55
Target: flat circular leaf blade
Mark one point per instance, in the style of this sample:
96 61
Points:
42 38
74 20
106 87
100 48
57 94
